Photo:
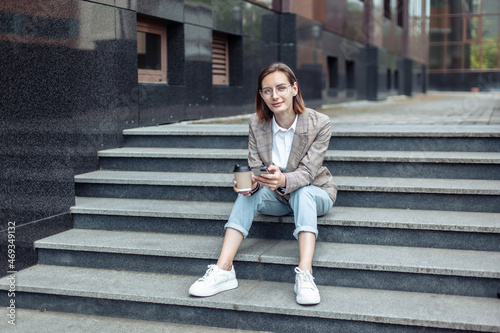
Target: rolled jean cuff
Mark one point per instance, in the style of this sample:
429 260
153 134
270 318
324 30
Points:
305 229
236 227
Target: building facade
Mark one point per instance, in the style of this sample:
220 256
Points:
464 44
75 73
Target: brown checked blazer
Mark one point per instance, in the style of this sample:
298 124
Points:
305 164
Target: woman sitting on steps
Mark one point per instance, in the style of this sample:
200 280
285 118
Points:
292 141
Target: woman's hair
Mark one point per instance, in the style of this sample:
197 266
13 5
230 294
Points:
263 112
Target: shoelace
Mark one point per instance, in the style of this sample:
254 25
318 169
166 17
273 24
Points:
306 279
212 270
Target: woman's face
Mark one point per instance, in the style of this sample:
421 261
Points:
279 97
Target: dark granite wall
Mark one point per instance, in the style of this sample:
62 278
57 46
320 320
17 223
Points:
69 87
483 81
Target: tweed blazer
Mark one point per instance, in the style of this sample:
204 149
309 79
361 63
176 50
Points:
305 163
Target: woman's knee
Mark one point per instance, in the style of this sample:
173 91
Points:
270 205
312 196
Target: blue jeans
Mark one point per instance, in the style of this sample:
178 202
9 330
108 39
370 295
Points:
306 204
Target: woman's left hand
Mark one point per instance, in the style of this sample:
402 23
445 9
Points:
272 180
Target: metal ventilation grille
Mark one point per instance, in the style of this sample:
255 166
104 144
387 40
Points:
220 65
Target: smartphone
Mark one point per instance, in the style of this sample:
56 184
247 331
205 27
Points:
260 170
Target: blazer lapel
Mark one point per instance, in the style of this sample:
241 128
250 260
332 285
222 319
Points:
298 143
267 142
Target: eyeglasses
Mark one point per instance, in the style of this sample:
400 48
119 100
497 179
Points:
280 90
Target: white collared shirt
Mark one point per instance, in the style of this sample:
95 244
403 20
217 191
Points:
282 143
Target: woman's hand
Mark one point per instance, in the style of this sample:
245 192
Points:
271 180
244 193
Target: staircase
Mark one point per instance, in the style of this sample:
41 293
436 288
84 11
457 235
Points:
412 243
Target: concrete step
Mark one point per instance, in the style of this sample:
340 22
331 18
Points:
440 271
344 137
42 321
461 165
254 304
401 227
381 192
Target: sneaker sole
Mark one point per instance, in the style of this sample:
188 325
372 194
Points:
233 284
307 301
304 300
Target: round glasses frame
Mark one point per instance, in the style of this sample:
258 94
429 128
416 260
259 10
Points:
267 93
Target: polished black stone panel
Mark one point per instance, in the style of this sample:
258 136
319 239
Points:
69 87
169 10
260 23
310 80
175 54
227 16
198 71
198 12
368 73
128 4
257 55
485 81
235 54
161 103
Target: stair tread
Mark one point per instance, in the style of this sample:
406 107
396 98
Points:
331 155
337 130
484 264
380 306
341 216
344 183
53 321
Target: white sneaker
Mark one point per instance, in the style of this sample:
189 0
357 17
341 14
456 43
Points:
305 288
213 282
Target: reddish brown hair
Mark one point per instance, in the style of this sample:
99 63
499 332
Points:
263 112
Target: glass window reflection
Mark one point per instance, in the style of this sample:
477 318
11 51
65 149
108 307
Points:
490 28
263 3
148 50
472 56
454 57
489 56
491 6
455 6
454 32
436 29
472 27
472 6
436 55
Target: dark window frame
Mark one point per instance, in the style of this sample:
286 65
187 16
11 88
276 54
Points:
150 75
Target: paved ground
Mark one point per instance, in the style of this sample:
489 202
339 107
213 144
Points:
462 108
434 108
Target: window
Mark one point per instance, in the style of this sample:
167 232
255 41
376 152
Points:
454 56
349 69
151 52
388 79
220 60
400 9
387 9
333 72
472 28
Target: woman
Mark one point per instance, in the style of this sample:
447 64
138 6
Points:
292 141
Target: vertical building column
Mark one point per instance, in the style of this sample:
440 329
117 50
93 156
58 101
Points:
288 40
368 59
368 74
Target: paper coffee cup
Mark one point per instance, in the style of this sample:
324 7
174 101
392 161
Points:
243 175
